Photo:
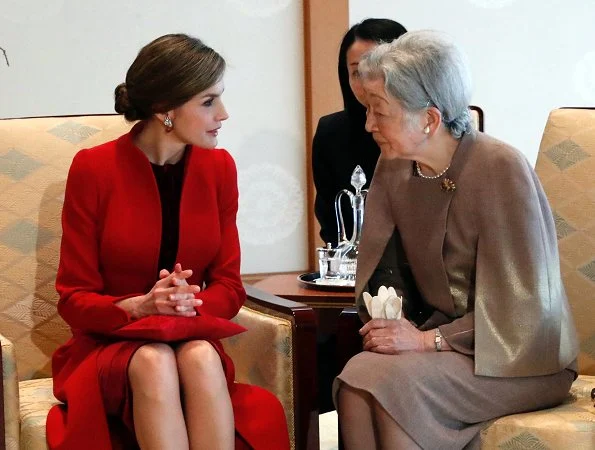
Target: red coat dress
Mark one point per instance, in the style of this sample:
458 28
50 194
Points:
110 249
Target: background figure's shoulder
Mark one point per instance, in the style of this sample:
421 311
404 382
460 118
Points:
331 123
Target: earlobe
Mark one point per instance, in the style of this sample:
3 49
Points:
434 117
166 120
168 124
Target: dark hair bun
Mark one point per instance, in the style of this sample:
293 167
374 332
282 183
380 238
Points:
122 103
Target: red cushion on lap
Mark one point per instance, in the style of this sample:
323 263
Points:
173 328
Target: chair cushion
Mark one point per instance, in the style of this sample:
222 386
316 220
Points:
36 400
569 425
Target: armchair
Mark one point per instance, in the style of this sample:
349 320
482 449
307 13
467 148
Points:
565 165
278 352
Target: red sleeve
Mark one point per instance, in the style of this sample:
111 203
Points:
224 294
79 282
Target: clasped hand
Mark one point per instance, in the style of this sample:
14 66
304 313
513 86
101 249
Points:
172 295
391 336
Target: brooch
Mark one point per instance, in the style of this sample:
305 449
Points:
448 185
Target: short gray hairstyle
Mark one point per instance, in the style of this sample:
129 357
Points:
424 68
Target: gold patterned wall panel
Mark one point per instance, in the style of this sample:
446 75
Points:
35 155
566 168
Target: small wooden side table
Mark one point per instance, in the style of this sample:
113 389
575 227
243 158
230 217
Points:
287 286
327 306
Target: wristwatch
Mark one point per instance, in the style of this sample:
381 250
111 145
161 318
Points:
438 340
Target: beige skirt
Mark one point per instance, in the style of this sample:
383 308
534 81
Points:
439 401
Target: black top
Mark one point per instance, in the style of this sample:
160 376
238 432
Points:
169 178
338 147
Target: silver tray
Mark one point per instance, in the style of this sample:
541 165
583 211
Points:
308 280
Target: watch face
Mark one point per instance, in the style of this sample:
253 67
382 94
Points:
438 340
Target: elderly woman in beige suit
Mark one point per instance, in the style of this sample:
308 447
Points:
456 222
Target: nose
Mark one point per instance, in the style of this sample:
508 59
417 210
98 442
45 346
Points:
222 113
370 121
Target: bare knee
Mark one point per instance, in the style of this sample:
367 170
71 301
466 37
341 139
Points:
153 368
199 358
201 355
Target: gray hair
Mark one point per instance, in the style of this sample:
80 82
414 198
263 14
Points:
424 68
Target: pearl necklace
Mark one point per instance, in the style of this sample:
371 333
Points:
429 177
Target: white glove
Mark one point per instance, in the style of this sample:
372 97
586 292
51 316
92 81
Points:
386 305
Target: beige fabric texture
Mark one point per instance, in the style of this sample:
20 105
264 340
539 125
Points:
272 336
568 426
566 167
35 155
36 401
10 383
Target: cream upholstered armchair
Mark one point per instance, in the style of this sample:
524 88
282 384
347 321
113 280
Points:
566 167
278 352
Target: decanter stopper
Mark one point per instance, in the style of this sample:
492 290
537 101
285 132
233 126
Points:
358 179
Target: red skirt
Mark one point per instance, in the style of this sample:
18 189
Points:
112 365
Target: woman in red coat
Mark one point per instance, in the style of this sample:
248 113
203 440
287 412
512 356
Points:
149 231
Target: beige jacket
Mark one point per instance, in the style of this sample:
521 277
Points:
483 257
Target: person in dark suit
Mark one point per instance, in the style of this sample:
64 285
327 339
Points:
341 141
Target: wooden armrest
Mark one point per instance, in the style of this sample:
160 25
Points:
304 364
275 303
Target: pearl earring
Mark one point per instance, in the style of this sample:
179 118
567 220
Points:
427 129
167 123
